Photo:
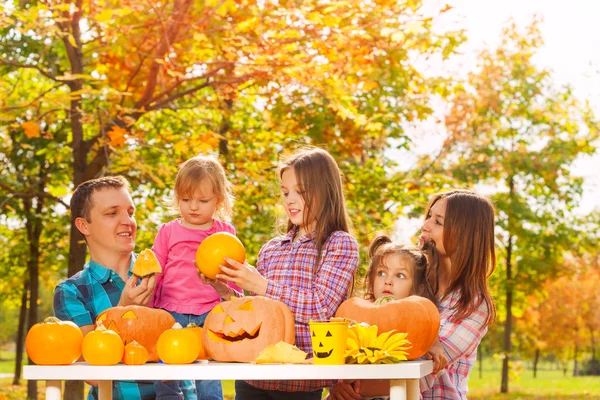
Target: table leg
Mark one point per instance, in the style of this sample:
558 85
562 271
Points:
398 389
53 390
413 389
104 390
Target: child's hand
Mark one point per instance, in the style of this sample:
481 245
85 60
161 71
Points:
221 287
347 390
437 354
244 275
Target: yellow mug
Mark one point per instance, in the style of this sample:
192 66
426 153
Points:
329 341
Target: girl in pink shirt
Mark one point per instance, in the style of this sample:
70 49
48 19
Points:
203 199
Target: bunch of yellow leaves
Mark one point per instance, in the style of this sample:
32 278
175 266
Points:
364 346
281 352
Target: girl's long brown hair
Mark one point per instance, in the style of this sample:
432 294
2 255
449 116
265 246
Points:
320 181
469 242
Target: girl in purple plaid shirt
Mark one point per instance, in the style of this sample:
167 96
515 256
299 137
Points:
310 269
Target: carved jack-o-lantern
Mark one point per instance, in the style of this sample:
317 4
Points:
142 324
240 329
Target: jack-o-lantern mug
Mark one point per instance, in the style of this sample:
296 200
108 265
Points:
329 341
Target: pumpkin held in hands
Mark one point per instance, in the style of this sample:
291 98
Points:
240 329
142 324
212 252
146 263
102 347
54 342
414 315
178 345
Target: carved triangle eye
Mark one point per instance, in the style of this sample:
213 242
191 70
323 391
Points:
246 306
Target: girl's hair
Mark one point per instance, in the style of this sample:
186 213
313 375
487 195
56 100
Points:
193 173
320 182
381 247
469 243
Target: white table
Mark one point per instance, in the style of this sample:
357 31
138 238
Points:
404 377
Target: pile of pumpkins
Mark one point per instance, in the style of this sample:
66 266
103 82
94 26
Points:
234 330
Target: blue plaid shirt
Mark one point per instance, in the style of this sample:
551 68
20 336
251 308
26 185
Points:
85 295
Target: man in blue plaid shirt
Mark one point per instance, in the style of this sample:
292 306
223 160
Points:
103 210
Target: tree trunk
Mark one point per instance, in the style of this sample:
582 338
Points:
34 230
480 358
594 361
508 323
535 362
575 364
21 334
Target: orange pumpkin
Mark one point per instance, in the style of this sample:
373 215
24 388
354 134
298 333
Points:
178 345
102 347
142 324
54 342
414 315
240 329
146 263
198 331
135 354
212 252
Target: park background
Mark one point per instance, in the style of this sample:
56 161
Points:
411 97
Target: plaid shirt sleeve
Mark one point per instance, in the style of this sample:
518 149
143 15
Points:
461 338
331 282
69 306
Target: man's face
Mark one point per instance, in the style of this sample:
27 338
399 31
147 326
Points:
112 226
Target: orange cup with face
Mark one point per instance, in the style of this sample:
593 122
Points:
329 341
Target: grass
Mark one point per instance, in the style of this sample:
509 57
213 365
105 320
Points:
550 384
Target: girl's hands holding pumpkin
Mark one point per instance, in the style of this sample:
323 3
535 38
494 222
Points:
221 287
245 276
345 390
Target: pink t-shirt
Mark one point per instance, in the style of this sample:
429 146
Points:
179 288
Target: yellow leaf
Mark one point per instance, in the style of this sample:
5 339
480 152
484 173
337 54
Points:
71 40
281 352
31 129
397 37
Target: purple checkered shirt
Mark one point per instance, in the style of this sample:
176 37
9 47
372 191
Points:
460 340
290 268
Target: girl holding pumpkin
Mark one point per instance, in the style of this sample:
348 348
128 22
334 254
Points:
458 233
396 271
203 198
310 269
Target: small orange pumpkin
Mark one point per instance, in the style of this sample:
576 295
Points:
240 329
414 315
135 354
102 347
142 324
212 252
178 345
198 331
54 342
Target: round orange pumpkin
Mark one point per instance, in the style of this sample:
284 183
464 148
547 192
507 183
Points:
414 315
198 331
54 342
135 354
102 347
142 324
178 345
240 329
212 252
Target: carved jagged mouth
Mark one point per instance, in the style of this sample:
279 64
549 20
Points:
236 338
323 354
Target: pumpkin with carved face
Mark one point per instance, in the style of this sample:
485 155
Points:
240 329
142 324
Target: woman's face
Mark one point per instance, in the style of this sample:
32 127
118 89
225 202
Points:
432 231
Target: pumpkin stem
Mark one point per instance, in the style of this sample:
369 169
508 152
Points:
52 320
100 326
